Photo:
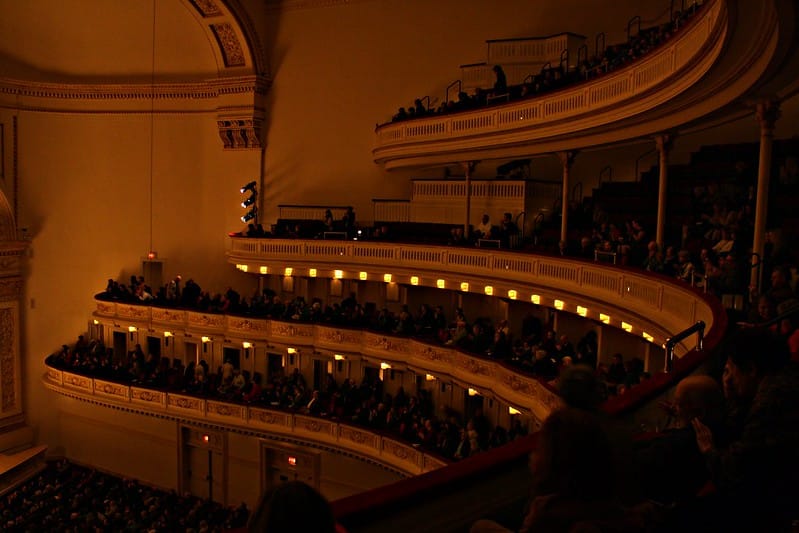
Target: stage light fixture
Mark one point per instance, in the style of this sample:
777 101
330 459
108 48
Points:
249 215
248 201
249 187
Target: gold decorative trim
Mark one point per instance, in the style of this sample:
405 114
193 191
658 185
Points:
206 8
232 53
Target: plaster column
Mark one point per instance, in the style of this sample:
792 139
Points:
663 143
566 159
468 167
767 113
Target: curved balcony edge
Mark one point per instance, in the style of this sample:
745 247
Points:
356 441
649 82
492 378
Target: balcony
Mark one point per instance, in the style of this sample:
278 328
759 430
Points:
591 113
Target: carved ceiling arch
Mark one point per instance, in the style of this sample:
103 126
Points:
235 42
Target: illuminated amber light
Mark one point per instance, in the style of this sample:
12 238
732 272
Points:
167 334
626 327
512 294
513 411
312 272
465 286
263 270
385 366
338 357
414 280
473 392
648 337
95 321
536 299
429 377
582 311
288 271
558 305
338 274
605 319
291 350
387 278
244 268
246 345
205 339
132 329
363 276
440 283
489 290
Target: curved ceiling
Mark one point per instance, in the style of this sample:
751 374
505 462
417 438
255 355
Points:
48 40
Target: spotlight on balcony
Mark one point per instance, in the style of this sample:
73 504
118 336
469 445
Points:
249 215
249 187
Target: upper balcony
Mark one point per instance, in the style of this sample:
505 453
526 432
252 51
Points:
699 71
648 306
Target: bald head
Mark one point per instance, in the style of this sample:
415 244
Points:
699 397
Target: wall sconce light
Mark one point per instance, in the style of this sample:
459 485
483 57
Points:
441 284
288 271
489 290
132 329
244 268
648 337
512 294
263 270
338 357
363 276
387 278
384 366
312 272
414 280
429 377
626 327
338 274
246 345
465 286
582 311
558 305
536 299
167 334
513 411
473 392
291 350
605 319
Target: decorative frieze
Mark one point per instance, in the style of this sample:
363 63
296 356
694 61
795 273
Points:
112 390
186 403
206 321
248 325
168 315
232 52
206 8
148 397
8 358
77 382
269 418
10 289
225 410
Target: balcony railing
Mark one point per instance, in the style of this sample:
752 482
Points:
360 441
682 61
656 305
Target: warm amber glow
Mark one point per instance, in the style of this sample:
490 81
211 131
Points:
582 311
363 276
429 377
291 350
513 411
132 328
384 366
441 284
244 268
512 294
246 345
205 339
648 337
338 357
95 322
288 271
167 334
465 286
312 272
605 319
263 270
473 392
626 327
338 274
558 305
536 299
414 280
387 278
489 290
